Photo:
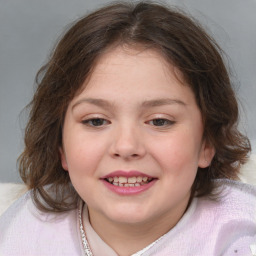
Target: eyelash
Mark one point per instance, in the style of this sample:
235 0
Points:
99 122
163 122
91 122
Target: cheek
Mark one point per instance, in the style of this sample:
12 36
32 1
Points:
178 154
83 155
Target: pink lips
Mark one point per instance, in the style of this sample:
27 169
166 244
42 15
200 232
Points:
127 191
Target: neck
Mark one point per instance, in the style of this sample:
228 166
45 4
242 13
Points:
126 238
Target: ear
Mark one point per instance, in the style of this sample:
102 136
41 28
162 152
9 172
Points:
206 154
63 159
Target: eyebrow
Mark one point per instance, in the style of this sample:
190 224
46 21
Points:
161 102
97 102
148 103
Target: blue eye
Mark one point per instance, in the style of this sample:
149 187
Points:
95 122
161 122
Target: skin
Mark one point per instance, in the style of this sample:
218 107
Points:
134 113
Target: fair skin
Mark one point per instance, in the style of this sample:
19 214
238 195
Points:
134 113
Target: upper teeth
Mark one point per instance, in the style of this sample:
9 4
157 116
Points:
130 180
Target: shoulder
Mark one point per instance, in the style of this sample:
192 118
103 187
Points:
235 200
226 226
232 218
33 231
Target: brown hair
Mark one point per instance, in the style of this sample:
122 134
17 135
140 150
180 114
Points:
181 41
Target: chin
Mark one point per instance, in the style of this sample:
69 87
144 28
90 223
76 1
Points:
130 219
129 216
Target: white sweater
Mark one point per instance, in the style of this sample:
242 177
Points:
208 228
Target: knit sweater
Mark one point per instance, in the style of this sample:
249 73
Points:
223 227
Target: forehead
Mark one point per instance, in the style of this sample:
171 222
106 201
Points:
130 58
125 70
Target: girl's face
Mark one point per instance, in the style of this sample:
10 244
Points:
132 139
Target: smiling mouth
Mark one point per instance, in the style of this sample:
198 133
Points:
129 181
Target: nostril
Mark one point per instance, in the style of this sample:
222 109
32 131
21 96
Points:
126 156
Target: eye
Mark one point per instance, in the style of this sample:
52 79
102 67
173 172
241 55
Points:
95 122
161 122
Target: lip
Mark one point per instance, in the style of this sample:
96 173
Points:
127 174
128 191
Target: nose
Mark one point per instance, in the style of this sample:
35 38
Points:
127 143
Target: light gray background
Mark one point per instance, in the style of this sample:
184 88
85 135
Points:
29 29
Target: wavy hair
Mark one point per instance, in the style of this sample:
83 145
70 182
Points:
181 41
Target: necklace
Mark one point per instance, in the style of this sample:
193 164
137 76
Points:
87 250
86 247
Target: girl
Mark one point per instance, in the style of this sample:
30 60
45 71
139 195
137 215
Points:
132 145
